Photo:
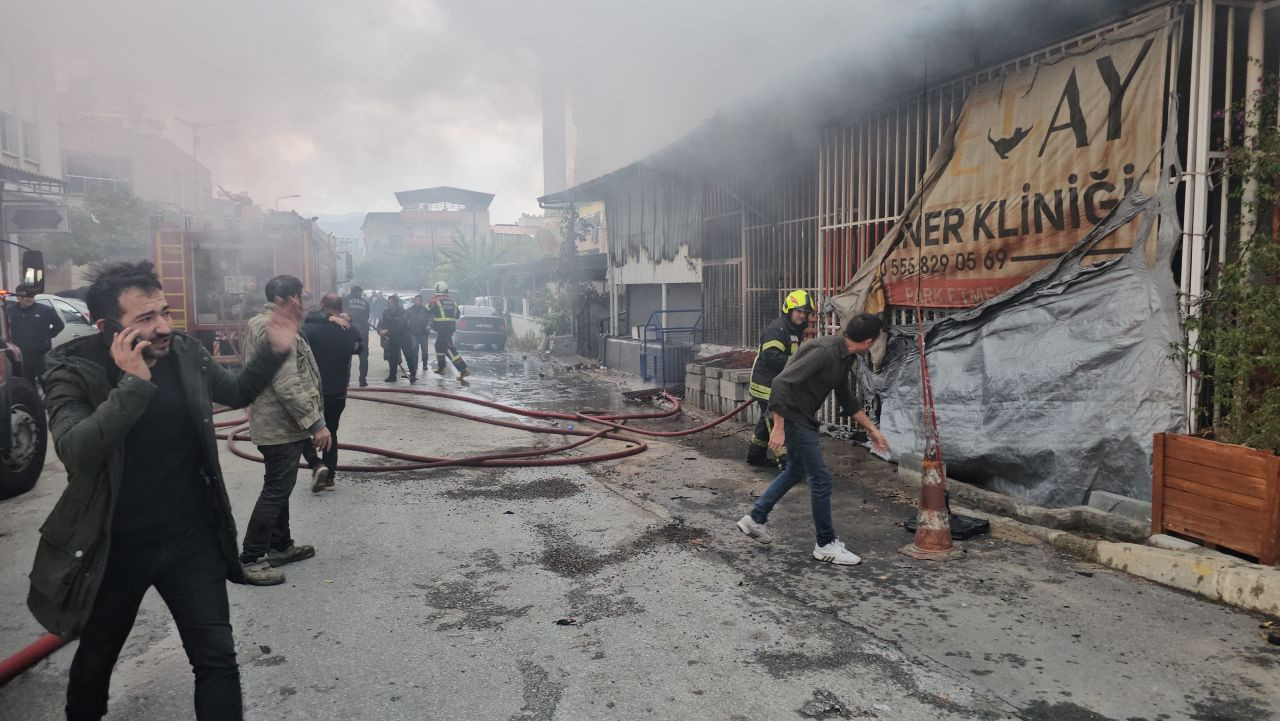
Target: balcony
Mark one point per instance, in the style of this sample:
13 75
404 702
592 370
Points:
86 185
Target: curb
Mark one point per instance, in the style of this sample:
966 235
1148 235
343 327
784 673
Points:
1072 518
1206 573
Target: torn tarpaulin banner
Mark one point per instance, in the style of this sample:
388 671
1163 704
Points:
1054 389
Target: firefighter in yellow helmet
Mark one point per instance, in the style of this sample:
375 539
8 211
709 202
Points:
778 342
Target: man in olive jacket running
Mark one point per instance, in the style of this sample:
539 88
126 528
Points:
145 503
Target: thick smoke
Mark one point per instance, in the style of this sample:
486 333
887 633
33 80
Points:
347 102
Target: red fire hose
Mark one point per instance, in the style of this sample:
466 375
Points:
29 656
613 423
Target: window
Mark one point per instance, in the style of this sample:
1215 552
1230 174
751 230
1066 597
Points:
69 314
8 134
30 141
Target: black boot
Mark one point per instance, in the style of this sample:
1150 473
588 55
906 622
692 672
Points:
758 455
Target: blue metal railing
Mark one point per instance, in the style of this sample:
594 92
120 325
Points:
666 347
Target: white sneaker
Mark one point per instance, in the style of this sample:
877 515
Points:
758 532
836 553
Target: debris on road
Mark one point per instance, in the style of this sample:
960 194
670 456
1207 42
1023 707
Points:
824 705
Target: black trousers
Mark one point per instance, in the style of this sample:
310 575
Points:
269 524
421 348
393 353
363 355
190 574
445 349
333 408
33 366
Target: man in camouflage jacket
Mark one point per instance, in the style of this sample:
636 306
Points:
288 415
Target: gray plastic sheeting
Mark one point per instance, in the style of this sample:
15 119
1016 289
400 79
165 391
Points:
1053 389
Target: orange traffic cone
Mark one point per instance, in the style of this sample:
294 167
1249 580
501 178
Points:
933 523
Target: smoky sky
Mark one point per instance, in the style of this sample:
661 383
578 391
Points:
346 102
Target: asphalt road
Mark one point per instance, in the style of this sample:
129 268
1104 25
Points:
436 595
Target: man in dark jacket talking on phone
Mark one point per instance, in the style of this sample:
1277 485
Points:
145 504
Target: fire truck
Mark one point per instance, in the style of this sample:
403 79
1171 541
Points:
214 272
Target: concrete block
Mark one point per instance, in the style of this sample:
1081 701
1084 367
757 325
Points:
738 375
1213 575
1170 568
711 371
733 391
693 369
1251 586
1134 508
693 382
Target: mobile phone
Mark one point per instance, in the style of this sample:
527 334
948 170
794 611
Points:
113 327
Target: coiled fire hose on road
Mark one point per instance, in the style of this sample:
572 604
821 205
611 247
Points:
612 424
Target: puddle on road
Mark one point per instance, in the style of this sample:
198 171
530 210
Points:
523 379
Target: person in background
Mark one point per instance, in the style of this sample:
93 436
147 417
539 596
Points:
419 330
33 326
286 417
358 312
394 329
819 367
333 341
145 504
377 306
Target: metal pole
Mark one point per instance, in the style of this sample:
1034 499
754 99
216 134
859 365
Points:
1253 85
4 241
1194 217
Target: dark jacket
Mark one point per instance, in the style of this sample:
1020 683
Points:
778 341
819 367
396 322
358 309
92 405
419 320
33 328
332 346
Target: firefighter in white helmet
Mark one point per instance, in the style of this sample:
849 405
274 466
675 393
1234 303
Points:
444 320
778 341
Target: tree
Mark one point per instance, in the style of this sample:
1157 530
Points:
395 270
469 264
1237 323
106 227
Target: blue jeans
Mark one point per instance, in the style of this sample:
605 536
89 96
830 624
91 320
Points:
804 459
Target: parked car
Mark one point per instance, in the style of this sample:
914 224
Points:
480 325
74 314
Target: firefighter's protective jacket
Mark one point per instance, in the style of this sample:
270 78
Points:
443 311
778 341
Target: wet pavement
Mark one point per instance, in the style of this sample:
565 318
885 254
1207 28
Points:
623 590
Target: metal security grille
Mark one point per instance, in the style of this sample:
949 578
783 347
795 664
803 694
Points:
781 241
721 291
722 266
